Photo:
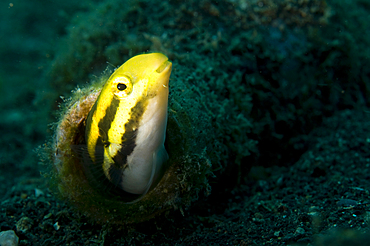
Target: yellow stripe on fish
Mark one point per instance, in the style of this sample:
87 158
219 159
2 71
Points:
126 127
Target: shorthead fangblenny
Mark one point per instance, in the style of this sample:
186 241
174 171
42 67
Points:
113 157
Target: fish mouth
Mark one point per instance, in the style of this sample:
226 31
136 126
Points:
164 67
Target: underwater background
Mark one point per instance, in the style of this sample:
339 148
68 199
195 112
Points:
284 85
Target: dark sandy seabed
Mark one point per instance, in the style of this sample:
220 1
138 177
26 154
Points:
303 66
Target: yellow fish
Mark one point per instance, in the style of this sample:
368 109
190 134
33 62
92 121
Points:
126 127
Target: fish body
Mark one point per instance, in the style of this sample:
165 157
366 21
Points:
126 127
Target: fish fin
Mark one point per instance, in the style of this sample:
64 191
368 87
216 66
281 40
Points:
158 161
97 178
149 185
93 169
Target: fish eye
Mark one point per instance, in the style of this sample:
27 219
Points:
121 87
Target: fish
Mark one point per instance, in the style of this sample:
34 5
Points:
125 129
